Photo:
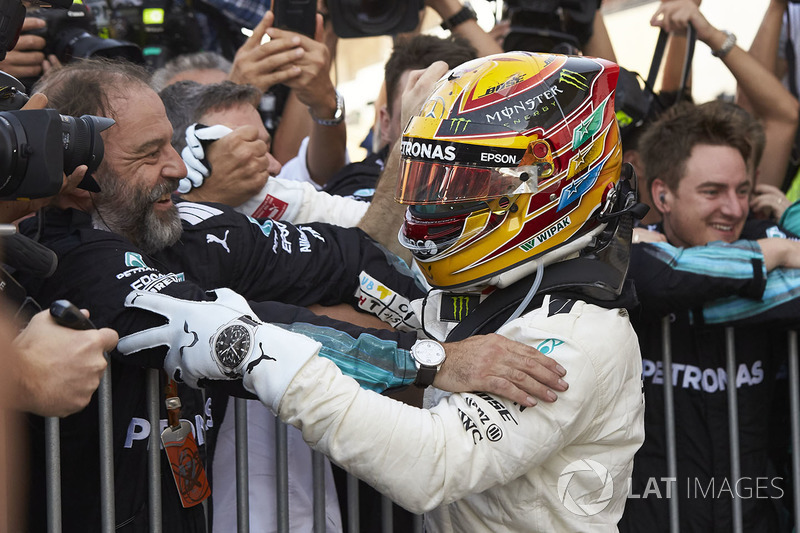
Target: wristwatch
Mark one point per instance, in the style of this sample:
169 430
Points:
466 13
232 343
428 356
338 116
727 46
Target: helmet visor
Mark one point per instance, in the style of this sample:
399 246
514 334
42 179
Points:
425 182
430 230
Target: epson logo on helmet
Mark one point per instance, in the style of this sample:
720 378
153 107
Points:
425 150
503 159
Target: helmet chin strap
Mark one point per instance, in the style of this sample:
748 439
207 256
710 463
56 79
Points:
529 296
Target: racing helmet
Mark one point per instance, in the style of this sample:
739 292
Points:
512 158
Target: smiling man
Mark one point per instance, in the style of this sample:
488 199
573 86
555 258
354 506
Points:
700 161
701 166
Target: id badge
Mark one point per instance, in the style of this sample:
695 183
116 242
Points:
187 468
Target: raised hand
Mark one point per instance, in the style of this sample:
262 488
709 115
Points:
268 64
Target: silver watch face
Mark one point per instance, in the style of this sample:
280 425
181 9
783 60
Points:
232 345
428 352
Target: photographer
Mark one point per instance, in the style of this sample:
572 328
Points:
50 370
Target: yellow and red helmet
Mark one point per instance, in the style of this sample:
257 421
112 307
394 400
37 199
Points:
511 157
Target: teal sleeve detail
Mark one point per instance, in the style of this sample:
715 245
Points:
377 364
783 286
791 218
715 259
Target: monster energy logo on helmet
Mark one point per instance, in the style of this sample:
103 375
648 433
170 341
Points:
573 78
457 124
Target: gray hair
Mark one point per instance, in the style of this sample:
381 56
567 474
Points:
184 62
187 101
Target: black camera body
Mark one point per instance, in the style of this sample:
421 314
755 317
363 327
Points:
296 15
163 29
72 34
366 18
38 146
558 26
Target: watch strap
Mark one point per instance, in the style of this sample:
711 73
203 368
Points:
425 375
464 14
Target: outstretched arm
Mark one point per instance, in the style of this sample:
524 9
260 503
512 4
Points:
316 101
599 44
497 438
198 350
771 102
764 47
744 280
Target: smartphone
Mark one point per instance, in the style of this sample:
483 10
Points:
296 15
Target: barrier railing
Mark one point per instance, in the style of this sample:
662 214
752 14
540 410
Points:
733 423
283 522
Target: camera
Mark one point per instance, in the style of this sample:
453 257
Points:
72 34
163 29
37 146
296 15
557 26
12 15
365 18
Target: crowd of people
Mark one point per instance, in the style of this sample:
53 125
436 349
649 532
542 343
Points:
470 320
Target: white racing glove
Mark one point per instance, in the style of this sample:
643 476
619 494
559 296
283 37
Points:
198 139
222 340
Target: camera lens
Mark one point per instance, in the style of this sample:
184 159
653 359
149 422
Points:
82 142
377 15
360 18
38 146
78 43
12 167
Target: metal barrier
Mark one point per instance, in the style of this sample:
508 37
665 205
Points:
794 410
669 421
53 469
282 489
733 423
